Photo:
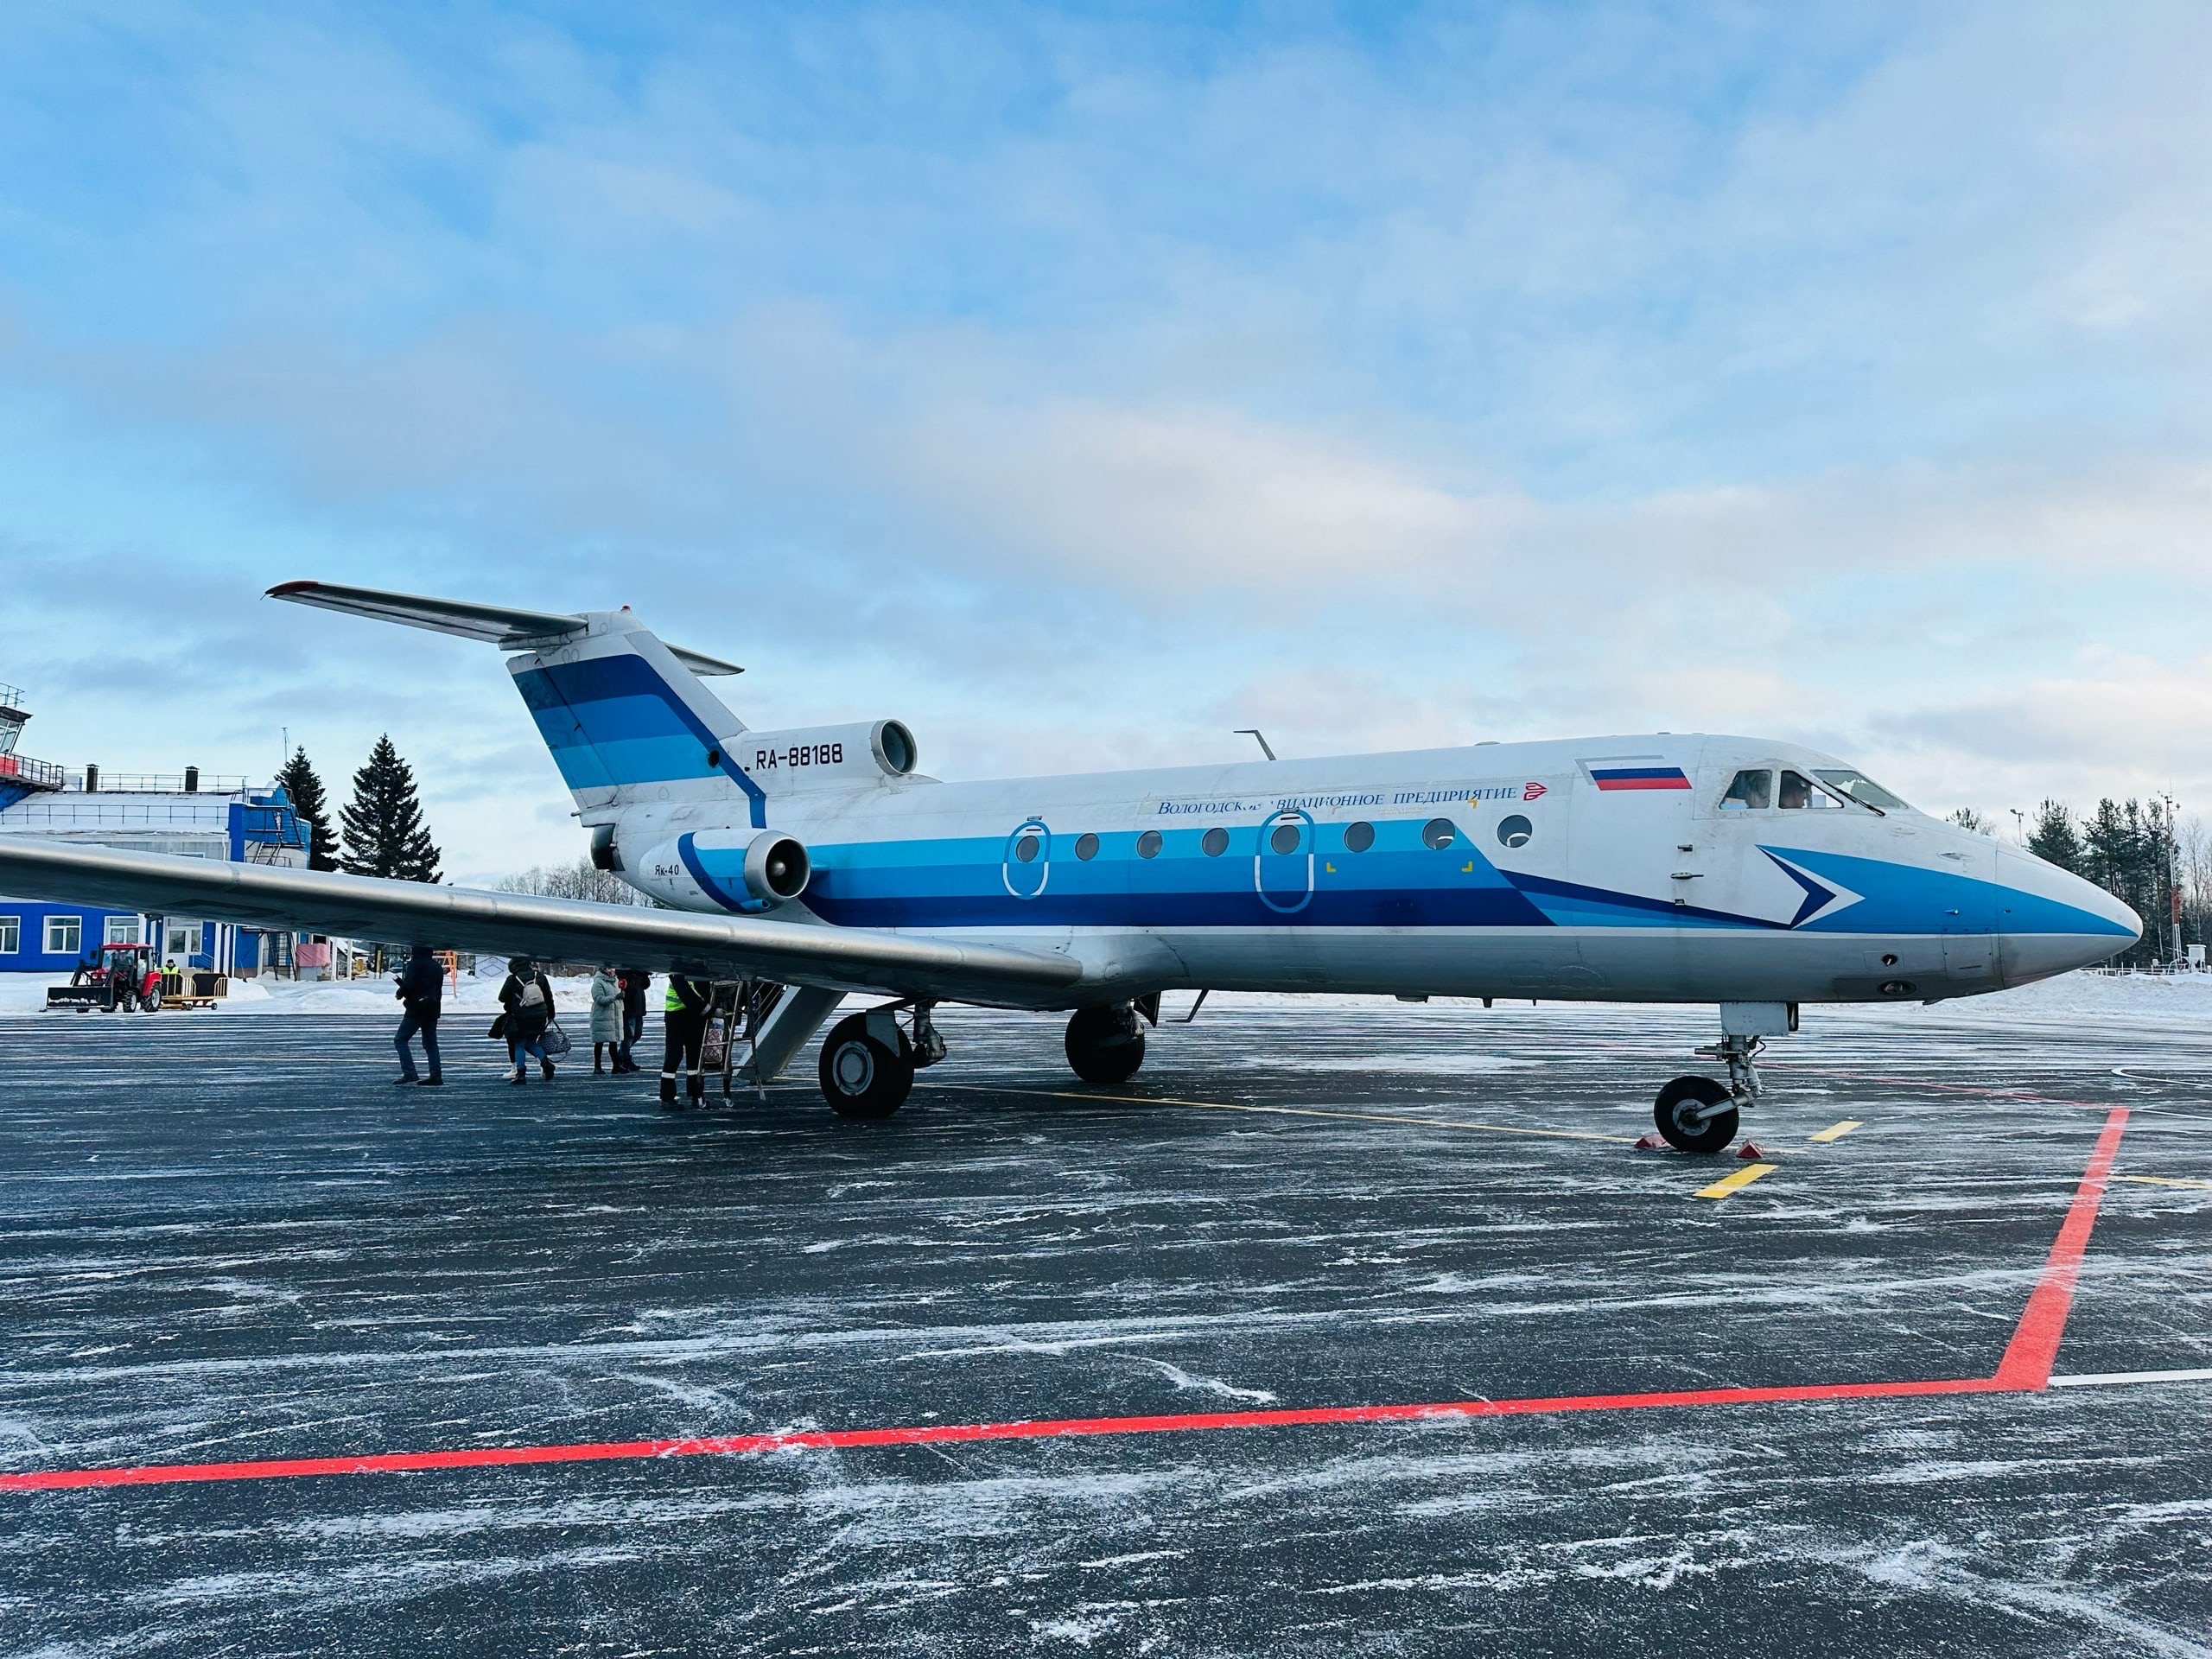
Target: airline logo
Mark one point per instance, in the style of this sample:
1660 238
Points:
1533 792
1617 775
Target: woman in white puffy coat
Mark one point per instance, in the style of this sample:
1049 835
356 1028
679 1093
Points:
605 1019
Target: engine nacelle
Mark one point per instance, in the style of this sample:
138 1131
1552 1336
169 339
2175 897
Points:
729 868
811 757
776 867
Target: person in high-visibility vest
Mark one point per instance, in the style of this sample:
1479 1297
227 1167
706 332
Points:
683 1017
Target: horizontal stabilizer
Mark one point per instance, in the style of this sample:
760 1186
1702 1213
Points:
555 930
504 625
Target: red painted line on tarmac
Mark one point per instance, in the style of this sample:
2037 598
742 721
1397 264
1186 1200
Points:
2034 1346
2025 1368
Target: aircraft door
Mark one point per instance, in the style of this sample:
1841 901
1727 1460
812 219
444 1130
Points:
1282 869
1028 859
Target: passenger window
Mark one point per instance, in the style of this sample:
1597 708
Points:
1359 837
1086 847
1285 838
1753 789
1514 831
1438 833
1215 842
1148 844
1025 849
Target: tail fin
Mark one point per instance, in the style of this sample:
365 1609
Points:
625 714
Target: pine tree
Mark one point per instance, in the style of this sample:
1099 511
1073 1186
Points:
312 808
384 831
2055 840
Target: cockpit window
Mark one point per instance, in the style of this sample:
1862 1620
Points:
1753 789
1860 788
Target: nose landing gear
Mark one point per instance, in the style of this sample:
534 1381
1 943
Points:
1701 1113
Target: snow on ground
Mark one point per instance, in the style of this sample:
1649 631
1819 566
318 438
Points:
25 993
2182 1000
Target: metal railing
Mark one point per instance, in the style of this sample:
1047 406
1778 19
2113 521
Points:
169 782
39 774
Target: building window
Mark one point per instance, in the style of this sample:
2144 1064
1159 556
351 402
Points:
65 935
11 935
122 930
181 939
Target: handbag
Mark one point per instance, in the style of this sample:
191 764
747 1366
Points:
555 1042
499 1028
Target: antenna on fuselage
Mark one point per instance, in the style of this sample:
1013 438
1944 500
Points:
1253 732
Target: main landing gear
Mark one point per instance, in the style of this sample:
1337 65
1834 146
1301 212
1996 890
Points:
1106 1046
1701 1115
868 1063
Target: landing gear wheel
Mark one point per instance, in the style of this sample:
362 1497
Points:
1681 1112
861 1077
1105 1046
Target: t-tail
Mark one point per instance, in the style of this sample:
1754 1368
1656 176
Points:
625 715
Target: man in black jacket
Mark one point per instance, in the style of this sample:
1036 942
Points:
422 995
634 981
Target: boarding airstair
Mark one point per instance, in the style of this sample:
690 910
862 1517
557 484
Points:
20 775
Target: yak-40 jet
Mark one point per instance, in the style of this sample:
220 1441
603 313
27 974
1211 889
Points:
813 864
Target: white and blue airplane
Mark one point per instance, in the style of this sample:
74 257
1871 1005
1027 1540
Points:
816 864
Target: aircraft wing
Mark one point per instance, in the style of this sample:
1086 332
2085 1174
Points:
863 960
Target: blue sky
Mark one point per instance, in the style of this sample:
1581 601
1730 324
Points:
1077 385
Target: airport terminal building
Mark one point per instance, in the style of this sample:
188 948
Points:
183 816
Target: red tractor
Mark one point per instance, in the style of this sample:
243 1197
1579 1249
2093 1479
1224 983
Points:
119 977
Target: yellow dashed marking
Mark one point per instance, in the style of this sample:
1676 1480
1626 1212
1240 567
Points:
1728 1185
2165 1181
1835 1131
1307 1111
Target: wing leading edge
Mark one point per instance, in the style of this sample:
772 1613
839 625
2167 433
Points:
834 959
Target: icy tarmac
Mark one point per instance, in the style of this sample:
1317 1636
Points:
226 1240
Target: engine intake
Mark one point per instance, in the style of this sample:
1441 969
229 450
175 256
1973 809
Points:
776 867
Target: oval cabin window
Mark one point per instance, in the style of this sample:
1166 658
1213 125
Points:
1359 837
1086 847
1217 841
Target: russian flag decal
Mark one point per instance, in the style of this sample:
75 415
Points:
1617 775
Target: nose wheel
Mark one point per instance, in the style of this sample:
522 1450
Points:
1695 1115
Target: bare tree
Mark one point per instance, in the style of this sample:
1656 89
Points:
583 879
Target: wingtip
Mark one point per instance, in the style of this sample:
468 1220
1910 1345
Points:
286 589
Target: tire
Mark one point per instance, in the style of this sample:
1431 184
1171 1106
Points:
150 1004
861 1077
1104 1046
1686 1135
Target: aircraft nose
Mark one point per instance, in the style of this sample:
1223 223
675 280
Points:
2055 922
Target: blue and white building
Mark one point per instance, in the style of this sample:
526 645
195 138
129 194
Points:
184 815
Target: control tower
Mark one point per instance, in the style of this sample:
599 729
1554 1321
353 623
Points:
20 775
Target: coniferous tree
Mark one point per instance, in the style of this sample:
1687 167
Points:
384 831
312 808
2055 839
